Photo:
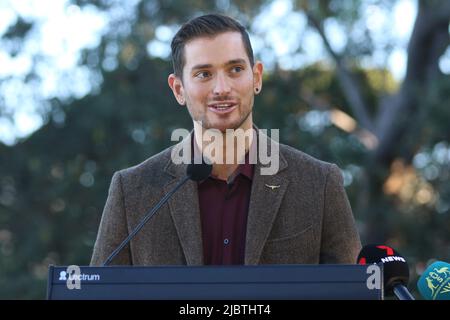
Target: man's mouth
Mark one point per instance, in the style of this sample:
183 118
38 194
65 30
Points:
222 107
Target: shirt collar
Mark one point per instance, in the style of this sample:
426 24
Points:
246 169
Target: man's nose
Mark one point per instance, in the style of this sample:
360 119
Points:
221 86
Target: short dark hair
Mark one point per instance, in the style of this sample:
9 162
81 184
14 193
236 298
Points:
207 25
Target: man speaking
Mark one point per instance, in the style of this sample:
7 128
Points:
294 212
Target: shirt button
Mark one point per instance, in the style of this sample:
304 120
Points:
226 241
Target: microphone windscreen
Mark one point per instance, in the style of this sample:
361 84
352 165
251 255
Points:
395 268
198 172
434 284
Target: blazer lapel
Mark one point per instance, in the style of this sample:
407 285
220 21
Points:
185 211
265 199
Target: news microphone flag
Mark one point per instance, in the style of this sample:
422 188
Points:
434 284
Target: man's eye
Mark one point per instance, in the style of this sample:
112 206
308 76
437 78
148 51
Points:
202 74
237 69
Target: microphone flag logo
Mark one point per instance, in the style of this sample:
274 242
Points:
389 250
438 281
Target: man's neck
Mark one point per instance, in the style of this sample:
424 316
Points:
229 148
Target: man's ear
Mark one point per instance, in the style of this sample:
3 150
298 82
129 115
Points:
177 88
258 69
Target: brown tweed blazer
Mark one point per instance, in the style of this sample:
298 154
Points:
307 220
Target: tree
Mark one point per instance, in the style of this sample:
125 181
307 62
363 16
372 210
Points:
400 116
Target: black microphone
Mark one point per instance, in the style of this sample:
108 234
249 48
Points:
195 172
396 270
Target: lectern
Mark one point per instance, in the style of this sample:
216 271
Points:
262 282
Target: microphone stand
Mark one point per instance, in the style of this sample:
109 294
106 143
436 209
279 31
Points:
402 293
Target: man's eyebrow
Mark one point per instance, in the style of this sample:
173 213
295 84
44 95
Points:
235 61
201 66
208 65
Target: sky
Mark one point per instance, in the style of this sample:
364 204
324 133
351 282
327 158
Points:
62 30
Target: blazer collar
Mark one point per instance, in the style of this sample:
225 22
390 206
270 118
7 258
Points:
184 207
266 195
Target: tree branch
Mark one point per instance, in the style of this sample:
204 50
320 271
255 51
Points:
349 86
428 42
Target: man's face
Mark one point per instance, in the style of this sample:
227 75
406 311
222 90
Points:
218 82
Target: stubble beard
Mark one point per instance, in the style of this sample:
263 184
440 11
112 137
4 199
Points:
206 124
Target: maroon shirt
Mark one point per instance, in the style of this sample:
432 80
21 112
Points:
223 211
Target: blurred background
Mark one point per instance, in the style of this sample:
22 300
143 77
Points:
83 93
